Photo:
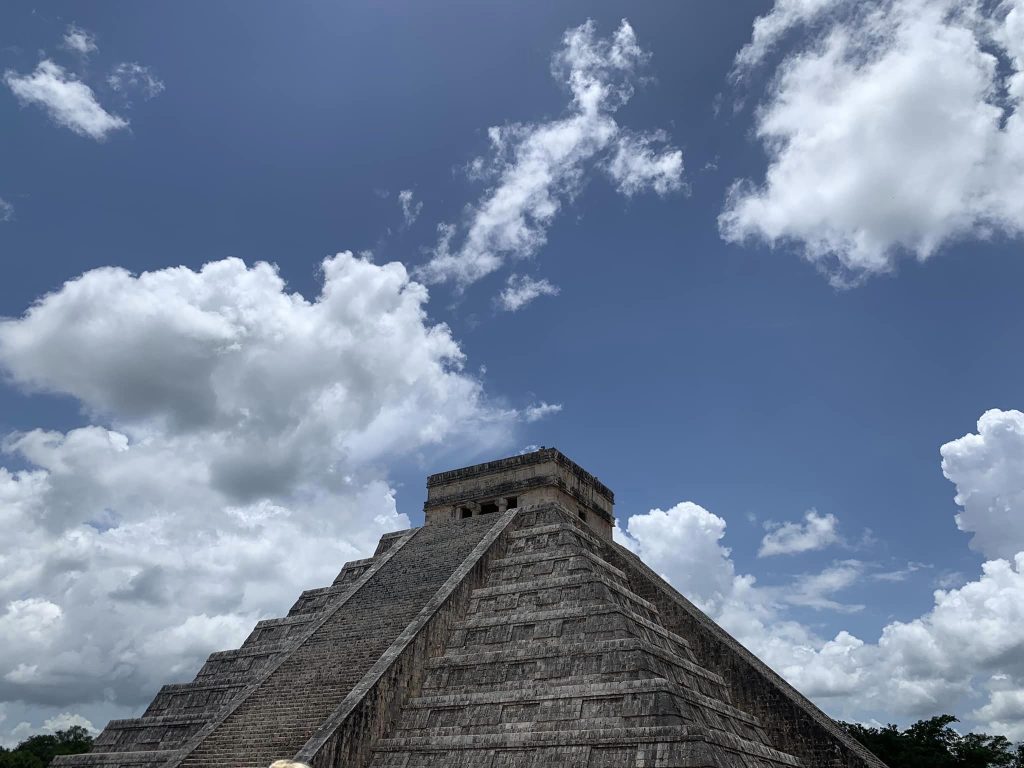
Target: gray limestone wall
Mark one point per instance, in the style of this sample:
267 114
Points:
558 663
374 706
793 723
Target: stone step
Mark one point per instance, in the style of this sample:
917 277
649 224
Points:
531 650
247 662
574 554
261 649
146 722
190 706
681 739
547 662
150 759
294 698
544 513
313 601
591 723
388 540
593 597
531 532
284 634
539 726
591 686
195 697
352 570
148 733
552 582
583 687
553 621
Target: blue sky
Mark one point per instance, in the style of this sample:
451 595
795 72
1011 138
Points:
861 310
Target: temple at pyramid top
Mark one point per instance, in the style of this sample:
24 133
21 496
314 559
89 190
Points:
510 631
546 475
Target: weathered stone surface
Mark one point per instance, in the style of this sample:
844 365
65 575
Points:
530 479
516 639
277 718
792 721
559 662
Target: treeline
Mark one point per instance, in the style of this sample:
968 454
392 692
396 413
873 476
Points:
934 744
39 751
926 744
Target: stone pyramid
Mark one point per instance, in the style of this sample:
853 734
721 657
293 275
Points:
508 632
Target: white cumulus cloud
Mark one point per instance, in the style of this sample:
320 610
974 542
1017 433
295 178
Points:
967 647
816 532
988 470
772 27
683 544
1004 711
537 167
234 429
67 100
65 720
895 128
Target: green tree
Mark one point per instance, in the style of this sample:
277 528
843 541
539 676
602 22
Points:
979 750
933 743
18 759
38 751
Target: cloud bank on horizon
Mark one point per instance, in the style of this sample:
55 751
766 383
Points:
969 644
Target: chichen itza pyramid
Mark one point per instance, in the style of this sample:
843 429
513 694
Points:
509 631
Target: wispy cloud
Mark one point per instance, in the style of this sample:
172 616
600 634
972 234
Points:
537 167
638 165
520 290
67 100
541 410
6 210
410 208
129 76
79 40
901 574
816 590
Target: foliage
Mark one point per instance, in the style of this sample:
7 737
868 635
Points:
39 751
934 744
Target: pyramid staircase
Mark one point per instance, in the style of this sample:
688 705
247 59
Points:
558 663
250 706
